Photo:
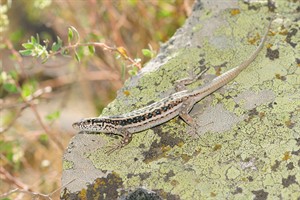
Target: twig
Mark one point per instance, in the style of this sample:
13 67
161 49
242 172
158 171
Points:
38 116
61 187
104 46
38 93
2 130
91 76
34 195
16 54
30 98
9 178
28 101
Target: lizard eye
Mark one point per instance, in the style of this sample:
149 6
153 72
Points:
86 122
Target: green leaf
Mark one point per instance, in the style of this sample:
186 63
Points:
91 49
28 45
147 53
3 77
13 57
10 156
44 60
43 138
59 41
38 38
6 198
65 52
70 34
55 46
164 13
53 116
16 35
25 52
3 46
33 40
10 87
13 74
133 71
132 2
77 57
6 146
74 30
28 88
7 150
123 69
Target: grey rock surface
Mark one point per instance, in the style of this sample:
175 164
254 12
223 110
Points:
248 142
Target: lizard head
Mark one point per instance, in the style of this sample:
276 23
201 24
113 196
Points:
88 124
94 125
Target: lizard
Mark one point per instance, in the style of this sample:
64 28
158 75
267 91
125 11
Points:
179 104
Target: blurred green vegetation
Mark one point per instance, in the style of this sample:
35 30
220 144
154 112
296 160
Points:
32 138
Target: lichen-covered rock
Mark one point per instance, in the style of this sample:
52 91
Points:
248 142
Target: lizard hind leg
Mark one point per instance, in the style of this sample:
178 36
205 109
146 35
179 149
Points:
187 118
182 83
184 114
127 137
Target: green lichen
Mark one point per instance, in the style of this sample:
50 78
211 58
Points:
68 165
257 158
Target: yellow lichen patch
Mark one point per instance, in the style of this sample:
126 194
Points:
166 148
186 157
283 32
289 123
197 152
174 183
271 33
82 194
218 71
180 144
234 12
217 147
287 156
262 115
278 76
126 93
269 45
117 178
98 183
254 39
163 194
212 194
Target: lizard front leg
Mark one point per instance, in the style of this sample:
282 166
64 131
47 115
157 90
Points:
182 83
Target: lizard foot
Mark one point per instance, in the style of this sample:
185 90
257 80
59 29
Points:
182 83
125 140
